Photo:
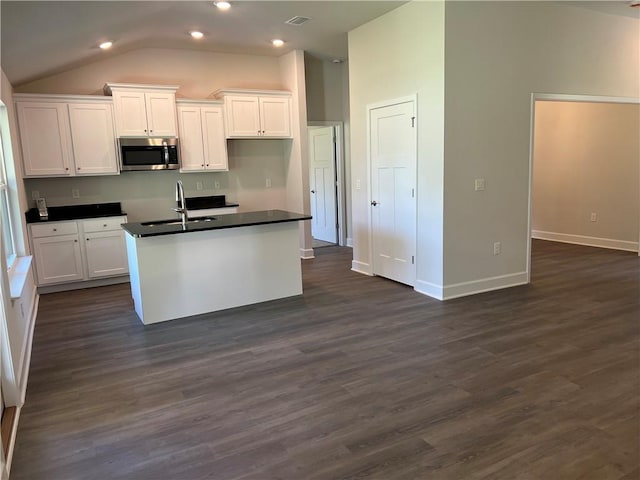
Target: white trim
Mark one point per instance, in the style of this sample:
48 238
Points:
349 242
12 439
429 289
18 276
307 253
99 282
558 97
361 267
585 240
484 285
374 106
338 129
26 360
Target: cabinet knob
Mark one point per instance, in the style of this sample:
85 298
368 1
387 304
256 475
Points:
105 225
87 240
207 164
76 241
145 130
67 169
78 168
202 164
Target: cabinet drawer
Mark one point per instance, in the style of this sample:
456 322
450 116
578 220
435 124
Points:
103 224
53 229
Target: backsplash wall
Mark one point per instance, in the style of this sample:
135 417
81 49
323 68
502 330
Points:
151 195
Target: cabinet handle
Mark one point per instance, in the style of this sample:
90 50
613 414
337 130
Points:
55 229
78 168
76 241
87 240
105 225
66 169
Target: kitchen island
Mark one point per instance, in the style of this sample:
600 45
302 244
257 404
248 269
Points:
212 263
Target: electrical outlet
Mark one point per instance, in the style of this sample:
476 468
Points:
35 194
358 184
198 185
216 185
594 217
75 193
497 248
479 184
268 182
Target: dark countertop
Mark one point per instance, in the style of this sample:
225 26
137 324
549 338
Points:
76 212
232 220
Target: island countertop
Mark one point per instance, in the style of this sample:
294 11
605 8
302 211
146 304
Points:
231 220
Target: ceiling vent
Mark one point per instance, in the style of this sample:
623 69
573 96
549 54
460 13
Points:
297 20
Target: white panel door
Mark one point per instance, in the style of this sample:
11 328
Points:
161 114
214 141
58 259
393 179
322 180
106 254
45 138
131 114
275 117
93 138
190 127
243 117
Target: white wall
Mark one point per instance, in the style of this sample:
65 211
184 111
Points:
148 195
497 54
400 54
586 160
296 150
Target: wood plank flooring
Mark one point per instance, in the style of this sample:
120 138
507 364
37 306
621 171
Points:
359 378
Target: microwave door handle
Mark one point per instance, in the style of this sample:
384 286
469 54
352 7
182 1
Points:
166 154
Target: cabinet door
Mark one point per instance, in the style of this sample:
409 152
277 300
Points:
58 259
275 116
215 144
161 114
131 115
243 118
93 139
190 128
45 138
106 254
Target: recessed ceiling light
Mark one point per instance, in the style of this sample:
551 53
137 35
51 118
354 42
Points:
277 42
105 45
222 5
197 35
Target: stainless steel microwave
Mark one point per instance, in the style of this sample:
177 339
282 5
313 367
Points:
148 154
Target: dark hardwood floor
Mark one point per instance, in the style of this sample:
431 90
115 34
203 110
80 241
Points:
359 378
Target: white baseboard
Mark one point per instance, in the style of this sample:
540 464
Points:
485 285
306 253
102 282
587 241
12 440
349 242
429 289
26 360
361 267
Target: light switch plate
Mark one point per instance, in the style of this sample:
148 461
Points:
479 184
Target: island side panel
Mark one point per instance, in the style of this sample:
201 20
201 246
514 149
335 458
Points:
134 274
199 272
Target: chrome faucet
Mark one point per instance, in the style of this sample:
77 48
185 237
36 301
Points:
182 208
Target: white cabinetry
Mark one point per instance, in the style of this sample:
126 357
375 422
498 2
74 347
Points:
66 135
144 110
202 141
79 250
105 247
56 249
256 113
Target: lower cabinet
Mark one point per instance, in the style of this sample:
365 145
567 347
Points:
79 250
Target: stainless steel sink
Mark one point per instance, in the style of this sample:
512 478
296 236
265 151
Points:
161 223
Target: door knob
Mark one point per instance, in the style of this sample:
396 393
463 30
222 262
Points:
374 203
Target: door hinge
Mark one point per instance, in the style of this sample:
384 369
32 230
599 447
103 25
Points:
413 193
413 259
413 122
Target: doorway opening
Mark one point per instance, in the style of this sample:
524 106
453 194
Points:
584 171
327 183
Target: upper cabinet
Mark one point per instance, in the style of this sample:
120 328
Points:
144 110
66 135
202 141
256 113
